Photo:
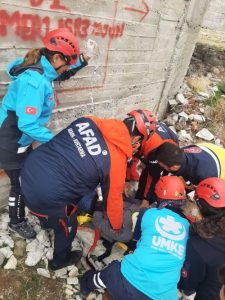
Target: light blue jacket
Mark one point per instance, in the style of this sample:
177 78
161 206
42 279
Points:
154 267
31 97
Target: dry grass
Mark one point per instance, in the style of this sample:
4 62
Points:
198 84
212 38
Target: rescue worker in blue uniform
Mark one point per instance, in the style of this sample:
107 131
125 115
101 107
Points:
27 107
58 174
194 162
151 172
206 245
153 270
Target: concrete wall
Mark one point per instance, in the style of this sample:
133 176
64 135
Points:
146 46
215 15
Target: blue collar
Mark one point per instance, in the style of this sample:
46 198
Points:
49 71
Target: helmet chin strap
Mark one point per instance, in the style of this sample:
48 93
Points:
60 67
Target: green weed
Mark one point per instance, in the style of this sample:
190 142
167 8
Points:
215 99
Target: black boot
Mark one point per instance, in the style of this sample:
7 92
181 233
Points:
72 259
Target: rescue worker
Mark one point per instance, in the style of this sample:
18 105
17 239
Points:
57 175
27 107
206 246
153 270
194 162
151 172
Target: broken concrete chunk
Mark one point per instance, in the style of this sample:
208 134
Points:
34 257
184 136
204 95
183 115
172 102
7 240
205 134
73 272
61 272
6 251
11 263
181 99
217 142
68 292
43 272
32 246
72 280
199 118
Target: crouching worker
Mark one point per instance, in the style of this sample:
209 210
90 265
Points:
58 174
153 270
206 246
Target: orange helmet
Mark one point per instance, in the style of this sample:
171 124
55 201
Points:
145 122
212 191
62 40
170 188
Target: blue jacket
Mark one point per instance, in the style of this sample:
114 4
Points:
154 267
202 161
31 97
200 272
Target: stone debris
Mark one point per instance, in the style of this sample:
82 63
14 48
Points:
72 280
6 251
181 99
11 263
34 257
43 272
205 134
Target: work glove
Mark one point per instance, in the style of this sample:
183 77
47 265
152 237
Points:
92 49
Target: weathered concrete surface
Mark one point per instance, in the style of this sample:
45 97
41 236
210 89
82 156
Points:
146 47
215 16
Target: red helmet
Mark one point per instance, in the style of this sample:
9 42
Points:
212 190
62 40
170 188
145 122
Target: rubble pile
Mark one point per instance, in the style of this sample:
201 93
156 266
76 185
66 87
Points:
189 115
38 251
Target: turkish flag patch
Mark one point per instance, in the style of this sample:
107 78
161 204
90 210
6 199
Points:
31 110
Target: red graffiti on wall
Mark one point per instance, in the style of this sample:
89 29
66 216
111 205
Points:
28 26
143 11
55 4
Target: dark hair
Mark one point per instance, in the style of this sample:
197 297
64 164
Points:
213 222
131 126
208 210
34 55
170 154
222 276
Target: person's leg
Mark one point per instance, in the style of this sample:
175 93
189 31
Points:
110 278
18 223
65 229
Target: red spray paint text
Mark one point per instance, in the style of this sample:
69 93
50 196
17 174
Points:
31 26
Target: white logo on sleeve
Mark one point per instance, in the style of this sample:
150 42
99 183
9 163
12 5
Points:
171 237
